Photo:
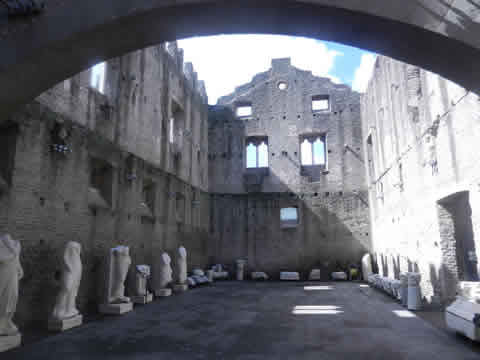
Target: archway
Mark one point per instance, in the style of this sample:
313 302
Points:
38 51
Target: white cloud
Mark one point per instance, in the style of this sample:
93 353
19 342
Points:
364 72
227 61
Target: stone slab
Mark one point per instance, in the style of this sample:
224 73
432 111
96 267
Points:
339 275
145 299
115 309
314 274
180 288
462 326
10 342
163 292
65 324
289 275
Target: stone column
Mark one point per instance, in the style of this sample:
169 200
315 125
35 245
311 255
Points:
240 269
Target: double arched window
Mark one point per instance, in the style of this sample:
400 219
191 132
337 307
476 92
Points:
257 152
312 150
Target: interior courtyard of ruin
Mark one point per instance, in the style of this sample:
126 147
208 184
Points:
294 217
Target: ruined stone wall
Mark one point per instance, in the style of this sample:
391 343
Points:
153 202
419 133
333 208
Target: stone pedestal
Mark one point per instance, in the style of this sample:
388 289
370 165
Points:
142 299
414 295
115 309
240 269
180 288
10 342
289 276
65 324
163 292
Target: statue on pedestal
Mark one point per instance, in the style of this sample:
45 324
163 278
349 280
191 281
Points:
65 314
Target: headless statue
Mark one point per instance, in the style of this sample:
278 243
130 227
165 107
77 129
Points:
119 263
10 273
165 271
181 275
65 306
142 274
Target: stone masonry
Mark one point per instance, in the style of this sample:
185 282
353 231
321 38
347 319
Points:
420 133
100 169
331 200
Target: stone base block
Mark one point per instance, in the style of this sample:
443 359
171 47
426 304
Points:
163 292
10 342
289 275
180 288
145 299
65 324
115 309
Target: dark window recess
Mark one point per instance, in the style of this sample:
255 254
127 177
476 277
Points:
101 178
8 144
148 195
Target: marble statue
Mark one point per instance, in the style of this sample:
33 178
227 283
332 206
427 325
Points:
140 293
10 273
163 276
367 269
65 314
115 301
240 269
181 270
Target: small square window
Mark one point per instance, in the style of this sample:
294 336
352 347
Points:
288 217
97 77
320 103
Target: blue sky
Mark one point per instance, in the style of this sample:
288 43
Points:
227 61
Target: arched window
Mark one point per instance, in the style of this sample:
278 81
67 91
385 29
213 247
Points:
257 152
312 150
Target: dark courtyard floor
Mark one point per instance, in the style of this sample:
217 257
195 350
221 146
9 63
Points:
231 320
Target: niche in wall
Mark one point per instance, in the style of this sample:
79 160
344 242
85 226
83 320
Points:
8 144
101 184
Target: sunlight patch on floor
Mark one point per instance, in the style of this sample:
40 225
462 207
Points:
317 287
316 310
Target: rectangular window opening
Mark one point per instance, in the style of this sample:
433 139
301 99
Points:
243 109
148 194
289 217
320 103
101 180
97 79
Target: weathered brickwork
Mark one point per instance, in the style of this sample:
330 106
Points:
420 133
152 200
332 208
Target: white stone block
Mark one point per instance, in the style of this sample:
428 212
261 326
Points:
10 342
462 316
163 292
314 274
259 275
177 288
142 299
115 309
289 275
65 324
339 275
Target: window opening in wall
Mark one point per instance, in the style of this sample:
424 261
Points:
257 152
289 217
320 103
97 79
312 150
282 85
177 128
244 110
148 194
